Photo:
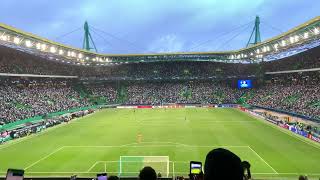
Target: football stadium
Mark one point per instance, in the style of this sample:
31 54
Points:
75 112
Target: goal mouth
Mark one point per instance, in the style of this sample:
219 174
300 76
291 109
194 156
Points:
131 165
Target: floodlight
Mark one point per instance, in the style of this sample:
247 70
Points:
28 43
87 58
264 49
60 51
38 45
43 47
73 54
53 49
291 39
80 55
16 40
5 37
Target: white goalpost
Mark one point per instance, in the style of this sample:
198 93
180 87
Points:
131 165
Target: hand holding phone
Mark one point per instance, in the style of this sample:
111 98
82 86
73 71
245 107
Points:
195 167
15 174
195 170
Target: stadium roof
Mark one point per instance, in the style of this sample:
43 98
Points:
287 43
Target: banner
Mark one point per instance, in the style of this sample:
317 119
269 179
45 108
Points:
144 107
314 138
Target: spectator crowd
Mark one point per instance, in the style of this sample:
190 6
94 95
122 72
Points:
157 83
19 100
26 101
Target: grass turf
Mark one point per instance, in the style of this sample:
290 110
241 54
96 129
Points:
95 143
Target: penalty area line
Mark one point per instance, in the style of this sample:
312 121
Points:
93 166
263 160
43 158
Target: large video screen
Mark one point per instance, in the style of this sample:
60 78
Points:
244 84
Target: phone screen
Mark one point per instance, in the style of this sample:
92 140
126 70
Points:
195 167
14 174
102 176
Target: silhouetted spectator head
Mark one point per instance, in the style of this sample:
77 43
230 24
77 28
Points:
148 173
113 178
246 168
223 164
303 177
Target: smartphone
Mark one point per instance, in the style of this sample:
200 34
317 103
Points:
195 167
15 174
102 176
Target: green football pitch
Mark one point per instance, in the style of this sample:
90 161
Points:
122 141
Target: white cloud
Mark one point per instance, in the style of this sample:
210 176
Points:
167 43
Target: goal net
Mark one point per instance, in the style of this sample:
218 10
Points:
131 165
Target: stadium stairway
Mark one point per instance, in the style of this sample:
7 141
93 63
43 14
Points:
245 97
122 95
85 93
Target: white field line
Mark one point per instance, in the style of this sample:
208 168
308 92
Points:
43 158
296 136
263 160
144 146
153 144
310 174
93 166
179 122
146 156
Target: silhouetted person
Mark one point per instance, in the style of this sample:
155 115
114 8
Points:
113 178
222 164
148 173
246 168
303 177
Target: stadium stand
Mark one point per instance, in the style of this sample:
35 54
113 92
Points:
172 82
21 101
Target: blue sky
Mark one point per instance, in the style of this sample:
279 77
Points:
143 26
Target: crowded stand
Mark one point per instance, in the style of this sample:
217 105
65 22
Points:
22 63
306 60
295 92
107 91
181 93
21 101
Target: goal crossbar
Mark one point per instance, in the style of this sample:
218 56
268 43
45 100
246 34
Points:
128 164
